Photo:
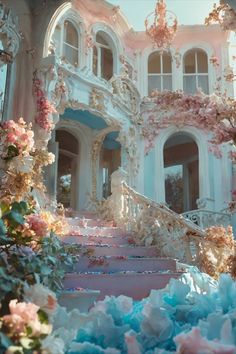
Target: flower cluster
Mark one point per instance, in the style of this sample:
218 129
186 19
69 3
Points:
23 316
44 108
22 161
65 183
27 325
192 315
16 138
217 250
38 225
213 114
224 15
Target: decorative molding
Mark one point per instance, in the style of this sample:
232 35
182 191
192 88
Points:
97 100
129 141
126 95
9 35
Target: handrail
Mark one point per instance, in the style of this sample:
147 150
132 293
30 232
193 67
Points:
207 218
178 217
149 223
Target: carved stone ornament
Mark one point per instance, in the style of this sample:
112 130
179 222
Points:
9 36
129 141
97 99
125 92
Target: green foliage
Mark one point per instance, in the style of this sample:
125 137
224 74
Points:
12 151
46 263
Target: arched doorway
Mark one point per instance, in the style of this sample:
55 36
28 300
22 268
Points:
67 168
181 167
110 161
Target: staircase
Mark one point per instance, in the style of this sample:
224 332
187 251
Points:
113 265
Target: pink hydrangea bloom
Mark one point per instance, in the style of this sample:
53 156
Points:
37 224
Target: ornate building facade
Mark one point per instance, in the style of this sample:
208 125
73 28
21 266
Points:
102 76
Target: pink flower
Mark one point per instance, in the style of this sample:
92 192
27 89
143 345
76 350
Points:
11 138
15 322
37 224
27 311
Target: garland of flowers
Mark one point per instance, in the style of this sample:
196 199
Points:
212 113
45 109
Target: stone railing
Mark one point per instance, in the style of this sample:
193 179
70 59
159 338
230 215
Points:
207 218
151 224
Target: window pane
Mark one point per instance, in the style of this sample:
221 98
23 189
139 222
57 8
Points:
95 61
166 60
190 85
189 63
154 83
71 35
100 39
71 54
167 82
154 63
174 188
202 62
106 64
203 83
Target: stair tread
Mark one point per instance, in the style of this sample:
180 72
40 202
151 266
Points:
129 272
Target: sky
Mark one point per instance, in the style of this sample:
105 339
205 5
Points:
188 12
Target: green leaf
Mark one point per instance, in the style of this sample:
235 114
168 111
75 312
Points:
3 229
12 151
20 208
43 317
4 207
45 270
14 218
4 340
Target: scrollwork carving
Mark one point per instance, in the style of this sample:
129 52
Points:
97 100
9 35
126 94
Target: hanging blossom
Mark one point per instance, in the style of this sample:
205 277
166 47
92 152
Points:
16 138
44 108
224 15
210 113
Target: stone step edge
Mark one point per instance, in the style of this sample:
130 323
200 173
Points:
117 246
122 258
121 274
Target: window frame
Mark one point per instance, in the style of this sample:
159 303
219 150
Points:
161 74
64 43
99 47
196 75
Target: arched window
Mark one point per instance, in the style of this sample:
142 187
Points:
102 57
3 82
196 71
159 71
71 43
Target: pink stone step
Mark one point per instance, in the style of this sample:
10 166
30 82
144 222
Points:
131 251
83 240
135 285
84 222
118 264
96 231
